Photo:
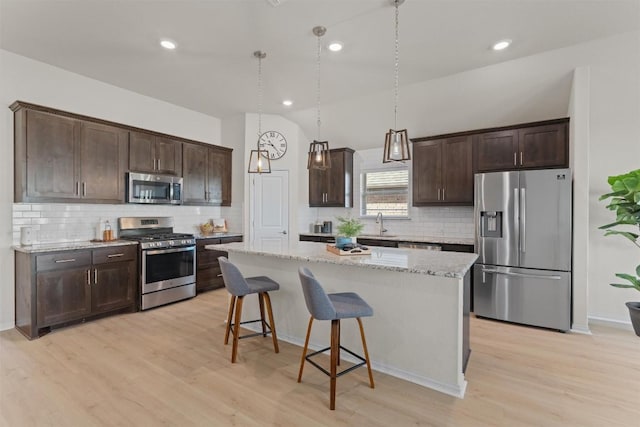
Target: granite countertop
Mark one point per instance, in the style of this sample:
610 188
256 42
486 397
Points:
69 246
407 238
434 263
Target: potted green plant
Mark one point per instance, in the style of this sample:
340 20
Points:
625 201
347 228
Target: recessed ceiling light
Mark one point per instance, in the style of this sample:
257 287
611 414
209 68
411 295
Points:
168 44
287 103
502 44
335 47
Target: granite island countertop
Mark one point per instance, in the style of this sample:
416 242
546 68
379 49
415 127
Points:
434 263
406 238
69 246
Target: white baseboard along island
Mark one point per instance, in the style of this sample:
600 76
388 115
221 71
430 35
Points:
421 299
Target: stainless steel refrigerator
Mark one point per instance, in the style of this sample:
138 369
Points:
523 239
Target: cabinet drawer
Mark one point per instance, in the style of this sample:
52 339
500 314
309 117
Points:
231 239
116 254
207 258
63 260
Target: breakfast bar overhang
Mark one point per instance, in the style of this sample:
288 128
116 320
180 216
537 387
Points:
420 328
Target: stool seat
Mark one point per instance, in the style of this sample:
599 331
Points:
334 307
349 305
261 284
239 287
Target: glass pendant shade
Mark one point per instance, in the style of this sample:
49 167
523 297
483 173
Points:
259 161
396 146
319 156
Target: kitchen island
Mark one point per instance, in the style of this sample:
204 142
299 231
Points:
420 328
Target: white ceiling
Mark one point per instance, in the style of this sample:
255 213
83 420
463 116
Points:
213 71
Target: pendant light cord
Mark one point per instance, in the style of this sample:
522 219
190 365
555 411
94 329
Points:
260 56
318 90
397 66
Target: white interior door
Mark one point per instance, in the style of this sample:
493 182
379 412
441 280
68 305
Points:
270 212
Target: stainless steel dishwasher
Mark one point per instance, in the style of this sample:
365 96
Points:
426 246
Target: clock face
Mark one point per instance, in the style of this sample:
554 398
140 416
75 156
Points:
274 143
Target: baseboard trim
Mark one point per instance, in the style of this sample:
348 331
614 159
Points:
7 326
620 324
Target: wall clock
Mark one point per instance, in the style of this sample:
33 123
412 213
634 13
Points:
274 143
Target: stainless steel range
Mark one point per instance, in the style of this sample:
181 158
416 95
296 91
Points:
168 259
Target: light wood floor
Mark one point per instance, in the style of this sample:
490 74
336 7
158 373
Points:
168 366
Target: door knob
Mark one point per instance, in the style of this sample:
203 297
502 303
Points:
283 232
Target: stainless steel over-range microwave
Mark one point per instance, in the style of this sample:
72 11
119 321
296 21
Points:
154 188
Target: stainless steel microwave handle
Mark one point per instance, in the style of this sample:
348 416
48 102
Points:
533 276
171 250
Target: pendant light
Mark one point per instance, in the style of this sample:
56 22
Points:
259 159
319 157
396 142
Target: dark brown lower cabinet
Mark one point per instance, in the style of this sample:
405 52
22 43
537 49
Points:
208 273
59 288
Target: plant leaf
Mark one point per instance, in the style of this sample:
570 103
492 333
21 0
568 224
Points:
631 236
619 285
630 278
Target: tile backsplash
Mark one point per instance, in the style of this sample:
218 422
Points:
454 221
58 222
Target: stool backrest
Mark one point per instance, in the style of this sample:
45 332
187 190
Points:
233 279
318 303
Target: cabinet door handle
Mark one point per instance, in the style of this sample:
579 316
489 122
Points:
95 276
158 164
521 158
515 159
443 198
89 277
78 188
115 255
84 189
219 275
438 194
60 261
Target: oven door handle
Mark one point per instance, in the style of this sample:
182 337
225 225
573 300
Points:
169 250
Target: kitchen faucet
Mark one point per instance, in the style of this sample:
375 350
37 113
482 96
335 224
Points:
379 221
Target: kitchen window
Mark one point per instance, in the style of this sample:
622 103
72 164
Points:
385 191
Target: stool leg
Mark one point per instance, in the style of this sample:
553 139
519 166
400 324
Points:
335 339
236 329
271 323
304 350
339 335
232 303
261 303
366 352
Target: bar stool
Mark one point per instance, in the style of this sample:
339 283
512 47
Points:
334 307
239 287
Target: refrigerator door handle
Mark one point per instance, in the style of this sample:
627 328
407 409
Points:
523 217
516 218
533 276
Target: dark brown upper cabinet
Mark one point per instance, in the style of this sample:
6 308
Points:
530 146
333 187
59 158
443 171
68 157
207 175
154 154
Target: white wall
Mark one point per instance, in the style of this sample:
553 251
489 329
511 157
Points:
31 81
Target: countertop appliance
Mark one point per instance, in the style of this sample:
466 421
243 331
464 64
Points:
523 240
154 188
167 259
327 227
